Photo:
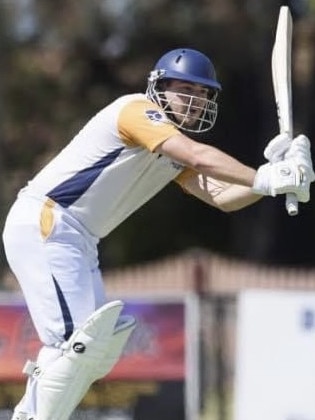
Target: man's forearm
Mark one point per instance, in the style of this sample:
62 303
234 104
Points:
208 160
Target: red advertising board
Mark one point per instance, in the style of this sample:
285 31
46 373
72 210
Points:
155 351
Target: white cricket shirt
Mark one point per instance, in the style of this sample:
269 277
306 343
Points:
109 169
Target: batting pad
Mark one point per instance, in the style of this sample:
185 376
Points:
89 354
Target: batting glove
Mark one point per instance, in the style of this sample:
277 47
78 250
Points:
277 147
300 151
281 178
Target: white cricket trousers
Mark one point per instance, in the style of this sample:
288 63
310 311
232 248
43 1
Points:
55 261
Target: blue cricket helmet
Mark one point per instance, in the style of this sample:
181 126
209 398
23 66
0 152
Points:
189 65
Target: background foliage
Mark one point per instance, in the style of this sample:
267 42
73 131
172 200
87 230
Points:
63 60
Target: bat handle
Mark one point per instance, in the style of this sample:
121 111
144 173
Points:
292 204
291 201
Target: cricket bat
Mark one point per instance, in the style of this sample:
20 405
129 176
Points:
282 84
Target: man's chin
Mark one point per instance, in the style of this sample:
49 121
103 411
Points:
191 123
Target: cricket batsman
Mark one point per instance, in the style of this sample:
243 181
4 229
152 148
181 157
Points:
124 155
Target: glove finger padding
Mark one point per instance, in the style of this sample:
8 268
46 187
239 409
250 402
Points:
277 147
300 151
299 145
281 178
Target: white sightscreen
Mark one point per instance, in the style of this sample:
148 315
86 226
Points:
275 358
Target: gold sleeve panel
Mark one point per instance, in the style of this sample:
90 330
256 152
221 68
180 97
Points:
47 218
184 176
143 123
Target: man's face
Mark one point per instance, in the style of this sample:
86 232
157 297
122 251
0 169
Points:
187 100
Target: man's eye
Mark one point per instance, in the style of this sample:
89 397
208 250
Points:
186 89
204 93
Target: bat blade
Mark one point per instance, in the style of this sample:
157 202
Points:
282 85
281 70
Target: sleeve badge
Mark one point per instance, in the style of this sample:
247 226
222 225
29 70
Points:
157 117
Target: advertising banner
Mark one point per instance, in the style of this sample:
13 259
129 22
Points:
156 349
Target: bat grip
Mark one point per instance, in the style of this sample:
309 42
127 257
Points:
291 201
292 204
